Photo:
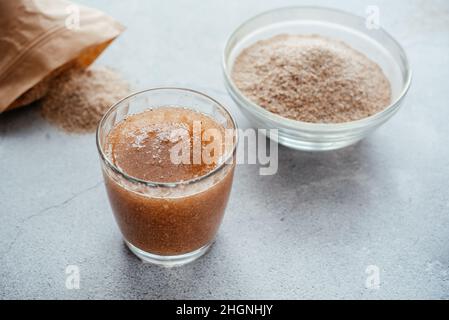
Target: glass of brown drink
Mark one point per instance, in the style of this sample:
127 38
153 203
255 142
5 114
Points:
168 158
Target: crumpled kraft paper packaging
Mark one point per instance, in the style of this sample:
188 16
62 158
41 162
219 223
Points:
41 38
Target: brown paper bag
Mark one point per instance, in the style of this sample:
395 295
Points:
41 38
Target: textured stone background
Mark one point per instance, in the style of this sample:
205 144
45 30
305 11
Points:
308 232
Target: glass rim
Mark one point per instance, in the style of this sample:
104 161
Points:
302 125
149 183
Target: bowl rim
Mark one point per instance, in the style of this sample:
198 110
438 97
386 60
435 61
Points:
309 126
150 183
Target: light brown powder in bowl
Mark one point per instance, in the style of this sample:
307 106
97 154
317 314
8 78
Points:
312 79
78 98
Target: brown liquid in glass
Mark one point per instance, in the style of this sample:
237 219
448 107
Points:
166 223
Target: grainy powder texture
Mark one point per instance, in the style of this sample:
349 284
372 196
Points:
78 98
311 78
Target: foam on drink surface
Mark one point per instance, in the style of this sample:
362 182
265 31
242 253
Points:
141 144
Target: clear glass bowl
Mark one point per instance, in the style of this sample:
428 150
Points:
376 44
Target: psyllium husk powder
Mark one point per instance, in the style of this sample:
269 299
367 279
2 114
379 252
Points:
78 98
311 78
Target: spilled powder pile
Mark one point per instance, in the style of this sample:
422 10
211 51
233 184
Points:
311 79
78 98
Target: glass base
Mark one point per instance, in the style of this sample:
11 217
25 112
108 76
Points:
168 261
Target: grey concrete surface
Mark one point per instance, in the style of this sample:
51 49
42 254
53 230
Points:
310 231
